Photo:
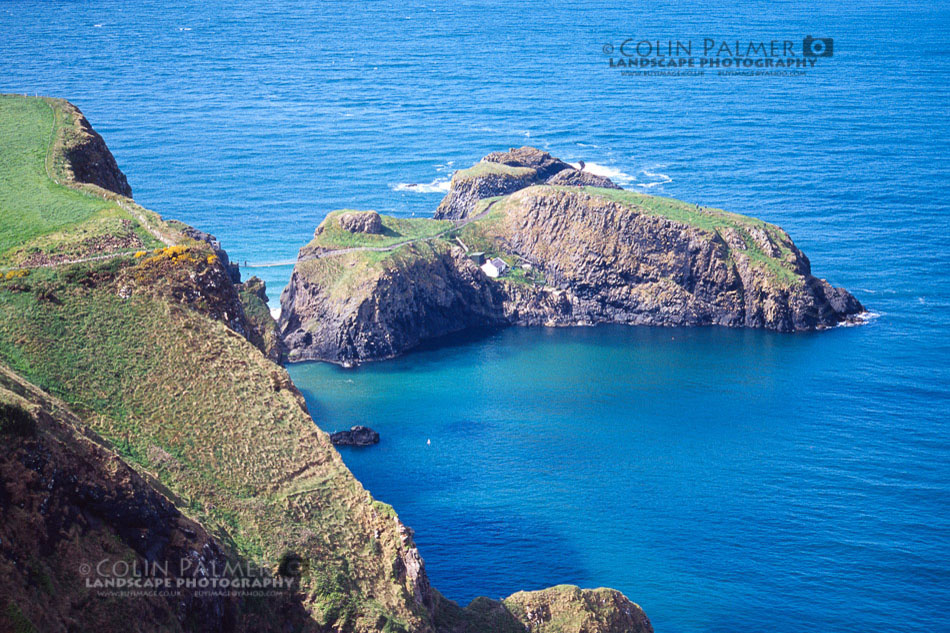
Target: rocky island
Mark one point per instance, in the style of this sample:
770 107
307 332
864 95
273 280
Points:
357 436
576 250
143 419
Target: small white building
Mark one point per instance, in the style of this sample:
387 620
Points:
495 267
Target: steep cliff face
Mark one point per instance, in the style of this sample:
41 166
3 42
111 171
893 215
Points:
577 255
82 155
262 328
623 257
351 307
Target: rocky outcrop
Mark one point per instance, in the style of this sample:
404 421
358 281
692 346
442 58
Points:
567 609
356 436
233 270
542 163
578 178
349 308
560 609
501 173
362 222
83 155
614 261
579 256
262 328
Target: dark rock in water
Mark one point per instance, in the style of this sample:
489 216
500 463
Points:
356 436
362 222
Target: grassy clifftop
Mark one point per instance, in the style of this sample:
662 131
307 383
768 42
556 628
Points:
49 214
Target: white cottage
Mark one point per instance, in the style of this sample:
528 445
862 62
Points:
495 267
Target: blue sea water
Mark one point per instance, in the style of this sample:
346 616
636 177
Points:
725 480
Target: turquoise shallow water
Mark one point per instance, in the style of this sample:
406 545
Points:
725 480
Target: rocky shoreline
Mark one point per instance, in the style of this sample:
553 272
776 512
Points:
579 251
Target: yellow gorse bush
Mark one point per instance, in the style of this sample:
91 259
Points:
177 254
16 274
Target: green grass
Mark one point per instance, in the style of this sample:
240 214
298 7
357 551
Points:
395 230
486 168
36 213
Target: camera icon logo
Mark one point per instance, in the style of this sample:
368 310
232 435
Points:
818 46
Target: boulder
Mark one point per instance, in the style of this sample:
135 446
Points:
356 436
362 222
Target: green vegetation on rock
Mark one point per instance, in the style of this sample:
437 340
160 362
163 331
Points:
141 372
485 168
332 236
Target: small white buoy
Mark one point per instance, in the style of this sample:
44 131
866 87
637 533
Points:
428 442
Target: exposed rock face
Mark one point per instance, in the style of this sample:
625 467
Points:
181 273
568 609
619 265
233 270
543 164
501 173
561 609
88 159
362 222
262 328
356 436
385 308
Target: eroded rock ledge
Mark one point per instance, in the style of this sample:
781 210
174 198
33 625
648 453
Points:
578 255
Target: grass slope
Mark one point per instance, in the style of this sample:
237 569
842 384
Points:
187 399
395 230
38 214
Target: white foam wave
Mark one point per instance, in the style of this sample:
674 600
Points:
436 186
618 176
655 177
860 319
275 312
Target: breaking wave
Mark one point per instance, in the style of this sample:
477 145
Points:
436 186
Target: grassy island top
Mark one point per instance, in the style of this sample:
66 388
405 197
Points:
332 235
486 168
42 215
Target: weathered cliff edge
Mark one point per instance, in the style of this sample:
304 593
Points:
142 422
579 255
